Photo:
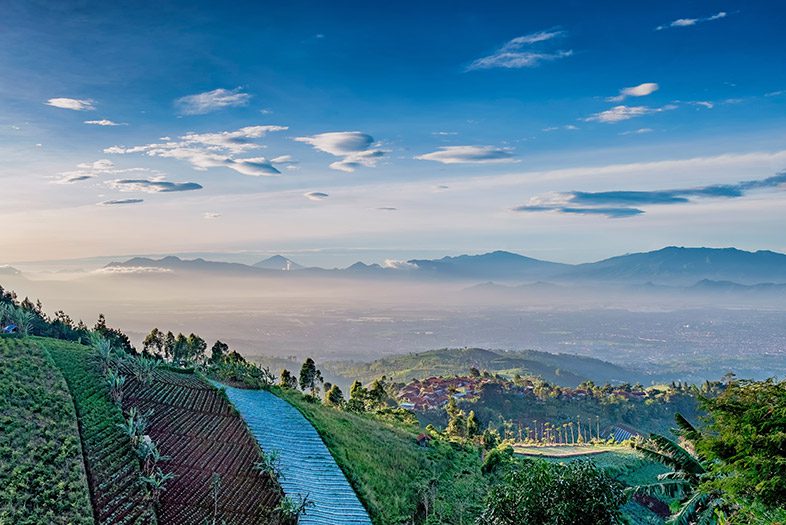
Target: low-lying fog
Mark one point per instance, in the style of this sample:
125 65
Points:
662 330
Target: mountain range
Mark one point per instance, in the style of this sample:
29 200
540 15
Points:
674 266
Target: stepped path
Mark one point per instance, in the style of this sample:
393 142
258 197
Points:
308 468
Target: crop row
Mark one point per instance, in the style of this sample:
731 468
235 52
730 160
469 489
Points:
41 467
196 427
112 466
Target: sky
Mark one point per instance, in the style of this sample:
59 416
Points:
338 131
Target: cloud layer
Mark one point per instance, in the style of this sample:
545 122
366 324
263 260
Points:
356 149
210 101
620 113
104 122
517 53
621 204
470 155
213 150
74 104
316 196
152 186
120 202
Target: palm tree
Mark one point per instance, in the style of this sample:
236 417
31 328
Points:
684 481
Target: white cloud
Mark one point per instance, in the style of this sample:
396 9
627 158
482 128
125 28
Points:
642 90
89 170
469 155
210 101
210 215
105 122
688 22
703 103
620 113
567 127
123 270
394 264
213 150
316 196
513 56
74 104
639 131
152 186
356 149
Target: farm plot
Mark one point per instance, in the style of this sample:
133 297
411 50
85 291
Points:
112 466
42 472
196 426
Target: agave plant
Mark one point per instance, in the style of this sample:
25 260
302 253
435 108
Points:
144 369
104 354
684 481
134 426
24 320
155 482
115 381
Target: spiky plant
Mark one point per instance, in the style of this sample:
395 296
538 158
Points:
24 320
104 354
116 381
688 471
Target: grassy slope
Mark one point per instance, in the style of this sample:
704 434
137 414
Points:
42 473
112 467
390 472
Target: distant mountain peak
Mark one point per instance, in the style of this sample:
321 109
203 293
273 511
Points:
9 270
278 262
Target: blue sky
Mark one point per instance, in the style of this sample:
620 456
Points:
345 130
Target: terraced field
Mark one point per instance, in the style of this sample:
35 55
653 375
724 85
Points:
308 468
112 466
42 474
195 425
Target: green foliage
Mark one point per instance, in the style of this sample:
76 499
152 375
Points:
42 477
112 466
398 481
575 493
310 377
747 441
334 396
287 380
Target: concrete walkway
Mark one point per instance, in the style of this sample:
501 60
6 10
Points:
307 466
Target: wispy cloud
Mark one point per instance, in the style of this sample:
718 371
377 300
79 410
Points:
394 264
90 170
75 104
621 203
620 113
642 90
120 202
316 196
639 131
517 53
470 155
688 22
105 122
210 101
356 149
152 186
387 208
213 150
210 215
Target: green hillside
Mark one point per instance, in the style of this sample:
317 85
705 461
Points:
112 466
398 481
42 472
560 369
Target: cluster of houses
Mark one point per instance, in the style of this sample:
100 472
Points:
434 392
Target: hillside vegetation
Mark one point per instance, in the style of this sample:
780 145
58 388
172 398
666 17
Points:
398 481
112 466
560 369
42 472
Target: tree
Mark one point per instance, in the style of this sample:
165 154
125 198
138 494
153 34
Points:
180 348
169 345
473 427
153 344
537 492
685 479
310 376
118 339
218 351
746 445
287 380
196 348
334 396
